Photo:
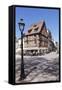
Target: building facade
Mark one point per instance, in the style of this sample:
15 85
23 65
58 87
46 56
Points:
38 39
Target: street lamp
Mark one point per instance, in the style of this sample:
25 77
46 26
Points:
21 28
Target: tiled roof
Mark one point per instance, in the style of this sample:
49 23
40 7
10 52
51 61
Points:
35 28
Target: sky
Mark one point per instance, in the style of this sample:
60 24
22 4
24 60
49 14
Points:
34 15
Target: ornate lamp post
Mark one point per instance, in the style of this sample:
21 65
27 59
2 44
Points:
21 27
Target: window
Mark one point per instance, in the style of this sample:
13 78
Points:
43 43
36 29
42 38
27 39
35 39
29 30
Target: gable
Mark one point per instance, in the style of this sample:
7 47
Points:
43 29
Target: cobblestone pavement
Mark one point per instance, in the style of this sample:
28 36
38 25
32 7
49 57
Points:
38 68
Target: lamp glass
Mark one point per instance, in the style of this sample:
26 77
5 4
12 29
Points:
21 26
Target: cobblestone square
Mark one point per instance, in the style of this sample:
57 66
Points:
38 68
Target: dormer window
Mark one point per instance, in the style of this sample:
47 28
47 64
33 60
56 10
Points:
29 30
36 29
